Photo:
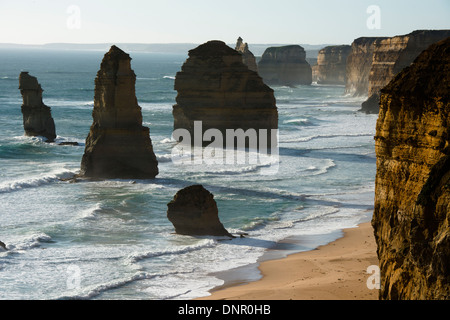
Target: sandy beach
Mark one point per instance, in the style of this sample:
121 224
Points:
336 271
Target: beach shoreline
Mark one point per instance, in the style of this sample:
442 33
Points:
334 271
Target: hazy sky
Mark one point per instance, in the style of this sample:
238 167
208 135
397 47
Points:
197 21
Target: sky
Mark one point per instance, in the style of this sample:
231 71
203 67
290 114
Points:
198 21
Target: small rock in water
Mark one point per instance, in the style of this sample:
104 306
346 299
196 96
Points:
193 211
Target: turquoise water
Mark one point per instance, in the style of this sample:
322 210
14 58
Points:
111 239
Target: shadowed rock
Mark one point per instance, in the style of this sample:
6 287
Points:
37 117
285 66
118 146
193 211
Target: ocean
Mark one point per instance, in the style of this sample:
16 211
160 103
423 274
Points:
111 239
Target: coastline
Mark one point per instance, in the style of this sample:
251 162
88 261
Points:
335 271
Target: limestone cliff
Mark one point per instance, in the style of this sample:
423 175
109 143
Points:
37 117
331 65
412 194
247 56
391 55
118 146
285 66
193 211
214 86
359 64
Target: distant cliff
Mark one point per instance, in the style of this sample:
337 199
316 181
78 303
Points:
391 55
37 117
359 64
247 56
118 146
412 194
285 66
331 65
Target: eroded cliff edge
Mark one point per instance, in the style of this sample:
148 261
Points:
247 56
412 192
118 146
392 55
359 64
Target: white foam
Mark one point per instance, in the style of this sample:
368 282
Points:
300 121
29 242
137 256
36 181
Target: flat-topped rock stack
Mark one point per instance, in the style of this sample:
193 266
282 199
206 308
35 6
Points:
285 66
215 87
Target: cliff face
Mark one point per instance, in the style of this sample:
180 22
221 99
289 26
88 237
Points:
331 65
391 55
37 117
359 64
285 66
412 195
214 86
247 56
118 146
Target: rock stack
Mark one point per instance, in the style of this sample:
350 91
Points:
118 146
193 211
37 117
331 65
412 192
215 87
247 56
285 66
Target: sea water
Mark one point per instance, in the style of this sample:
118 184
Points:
111 239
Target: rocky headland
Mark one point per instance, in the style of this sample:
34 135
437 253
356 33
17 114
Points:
412 193
285 66
331 65
37 117
193 211
118 146
392 55
215 87
247 56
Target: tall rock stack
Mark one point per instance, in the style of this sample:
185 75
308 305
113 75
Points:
391 55
37 117
331 65
215 87
412 193
118 146
285 66
247 56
